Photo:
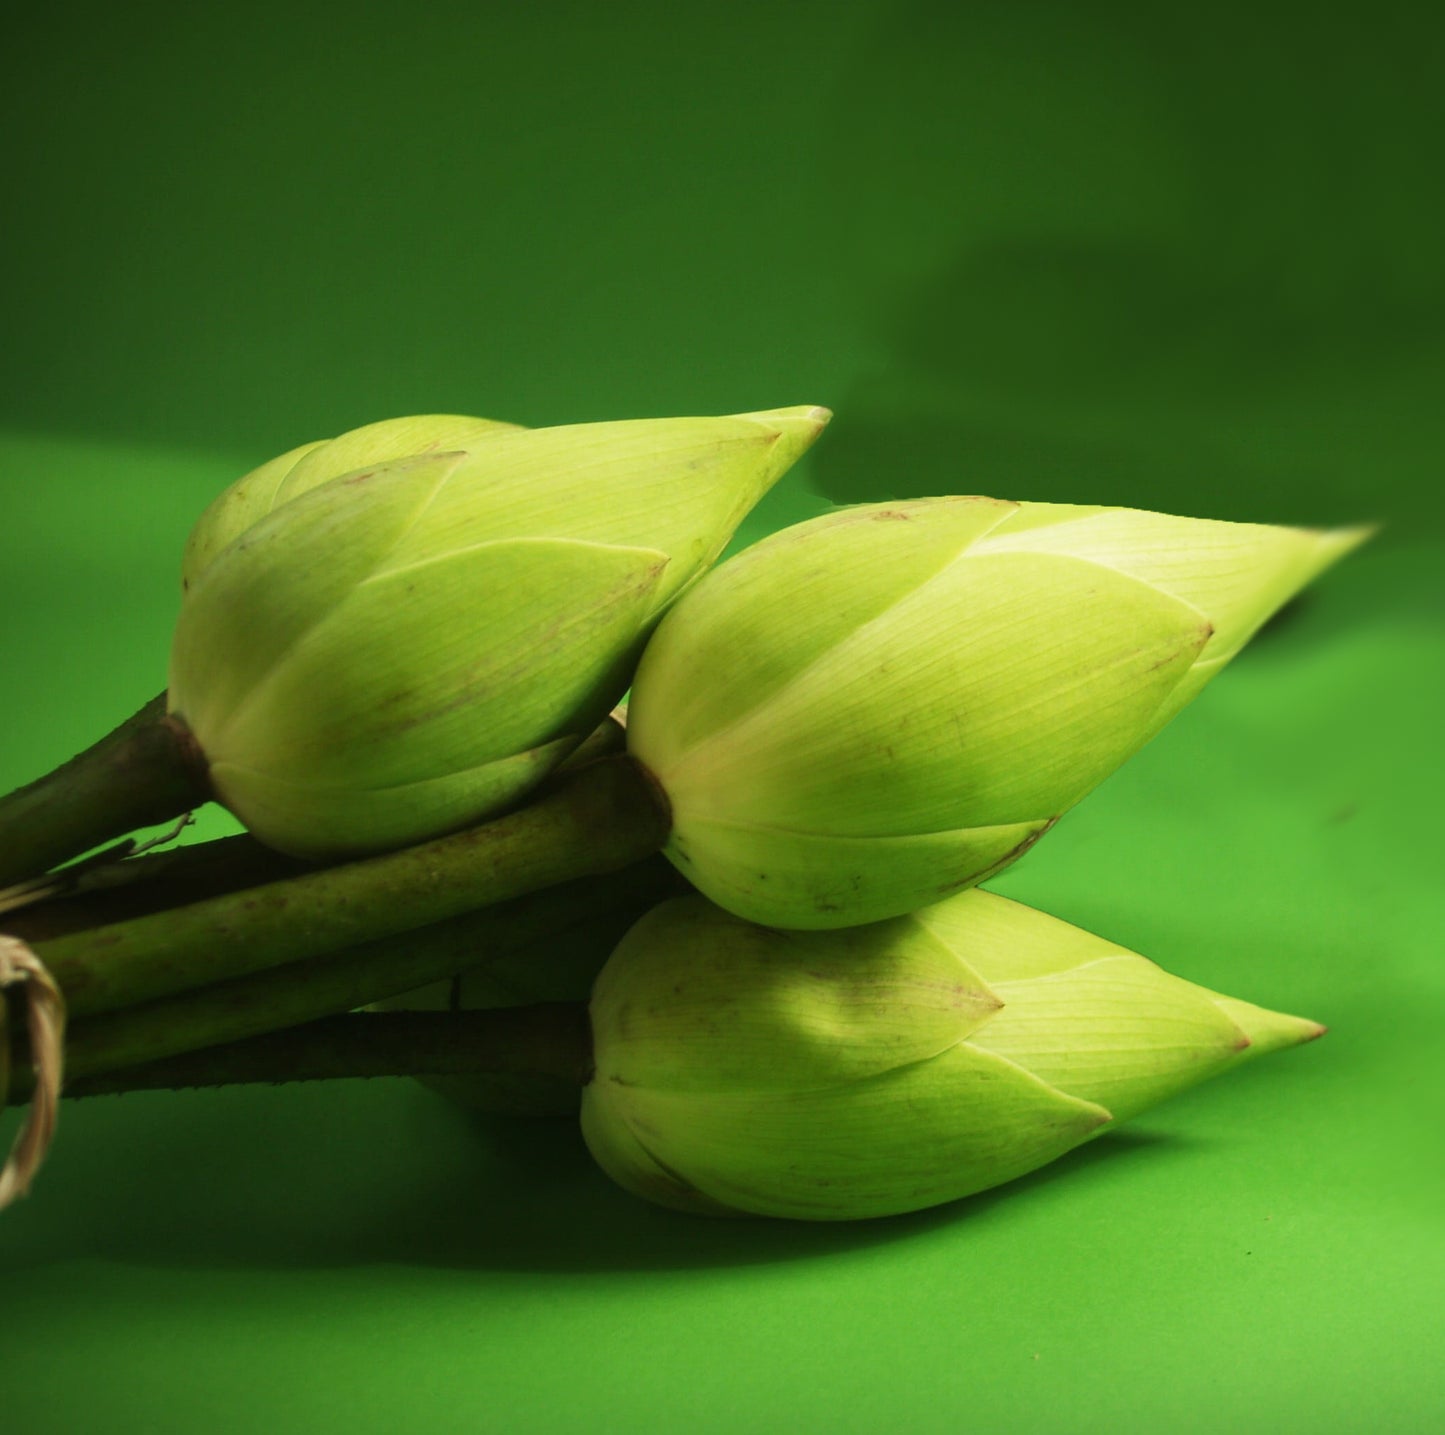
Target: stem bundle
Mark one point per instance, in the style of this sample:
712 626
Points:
226 963
597 820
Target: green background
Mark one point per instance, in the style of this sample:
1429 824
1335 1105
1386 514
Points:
1180 258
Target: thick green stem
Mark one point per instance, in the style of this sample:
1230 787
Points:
519 1060
506 941
85 897
149 770
97 893
599 819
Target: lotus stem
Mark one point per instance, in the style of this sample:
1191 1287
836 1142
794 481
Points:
537 1057
514 936
147 771
601 818
84 896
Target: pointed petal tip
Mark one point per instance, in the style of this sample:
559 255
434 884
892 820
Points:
1333 544
1266 1031
1339 541
788 434
1288 1030
801 420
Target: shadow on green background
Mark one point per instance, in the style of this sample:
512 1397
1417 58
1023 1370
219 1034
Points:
1165 257
1141 253
426 1207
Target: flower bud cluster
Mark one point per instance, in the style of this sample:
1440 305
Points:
403 630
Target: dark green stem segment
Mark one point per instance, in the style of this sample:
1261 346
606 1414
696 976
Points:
599 819
148 771
520 1060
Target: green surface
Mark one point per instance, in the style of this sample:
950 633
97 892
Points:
1125 254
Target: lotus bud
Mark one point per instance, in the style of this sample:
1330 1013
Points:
881 706
409 647
252 497
881 1069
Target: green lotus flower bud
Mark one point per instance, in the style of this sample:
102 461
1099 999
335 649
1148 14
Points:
878 707
880 1069
251 498
407 648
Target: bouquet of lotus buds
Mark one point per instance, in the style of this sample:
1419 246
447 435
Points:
739 925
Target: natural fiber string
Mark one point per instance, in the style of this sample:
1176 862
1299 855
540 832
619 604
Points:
21 969
104 869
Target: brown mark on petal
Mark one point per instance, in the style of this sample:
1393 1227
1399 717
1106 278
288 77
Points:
1008 858
658 793
1196 644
